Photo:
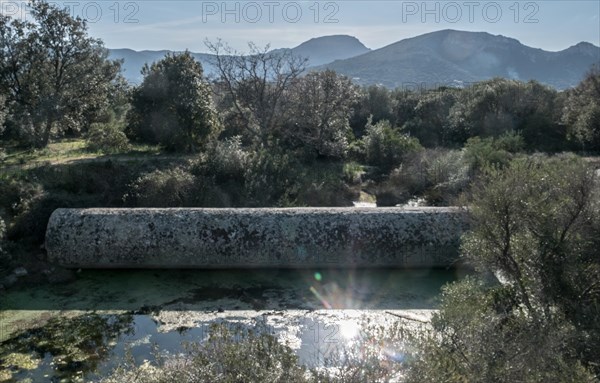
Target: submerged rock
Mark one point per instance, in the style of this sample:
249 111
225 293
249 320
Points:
10 280
58 275
20 272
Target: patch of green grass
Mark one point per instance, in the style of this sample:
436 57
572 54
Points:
65 150
55 150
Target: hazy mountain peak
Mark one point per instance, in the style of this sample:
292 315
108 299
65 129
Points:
347 40
448 57
584 47
325 49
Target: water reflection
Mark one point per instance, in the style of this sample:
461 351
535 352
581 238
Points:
64 348
83 329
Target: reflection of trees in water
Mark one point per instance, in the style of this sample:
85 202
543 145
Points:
73 345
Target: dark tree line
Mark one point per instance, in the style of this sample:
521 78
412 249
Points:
55 79
547 120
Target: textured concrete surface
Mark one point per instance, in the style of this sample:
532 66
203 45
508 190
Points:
254 238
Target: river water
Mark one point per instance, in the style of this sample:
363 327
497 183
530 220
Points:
82 330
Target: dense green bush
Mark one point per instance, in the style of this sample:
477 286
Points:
226 160
235 176
162 188
445 172
438 176
480 335
324 183
17 193
106 181
480 153
270 179
386 147
30 226
221 174
29 197
107 137
27 204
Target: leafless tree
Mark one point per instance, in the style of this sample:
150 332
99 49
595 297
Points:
256 84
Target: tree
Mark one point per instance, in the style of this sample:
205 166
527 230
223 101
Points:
3 113
321 105
479 336
256 87
405 102
375 101
430 121
107 134
535 224
491 108
2 232
173 105
582 112
540 111
484 109
54 75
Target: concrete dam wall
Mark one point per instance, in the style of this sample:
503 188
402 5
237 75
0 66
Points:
255 238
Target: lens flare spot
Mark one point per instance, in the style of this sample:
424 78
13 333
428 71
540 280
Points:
318 276
397 356
320 297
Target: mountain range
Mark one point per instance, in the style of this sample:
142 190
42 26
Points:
318 51
446 57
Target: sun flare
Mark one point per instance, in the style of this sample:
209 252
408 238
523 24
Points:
348 329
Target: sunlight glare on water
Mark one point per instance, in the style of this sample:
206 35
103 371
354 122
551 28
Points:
348 329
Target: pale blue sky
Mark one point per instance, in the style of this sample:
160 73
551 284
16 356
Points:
177 25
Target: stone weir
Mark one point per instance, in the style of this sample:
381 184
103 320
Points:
255 238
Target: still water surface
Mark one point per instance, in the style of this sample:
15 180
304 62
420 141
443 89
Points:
83 329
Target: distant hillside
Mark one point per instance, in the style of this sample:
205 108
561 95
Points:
452 57
319 51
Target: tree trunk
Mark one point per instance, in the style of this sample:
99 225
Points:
45 138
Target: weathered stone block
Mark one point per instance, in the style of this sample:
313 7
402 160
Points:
254 238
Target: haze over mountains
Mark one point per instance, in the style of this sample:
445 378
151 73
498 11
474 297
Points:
454 57
318 51
447 57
